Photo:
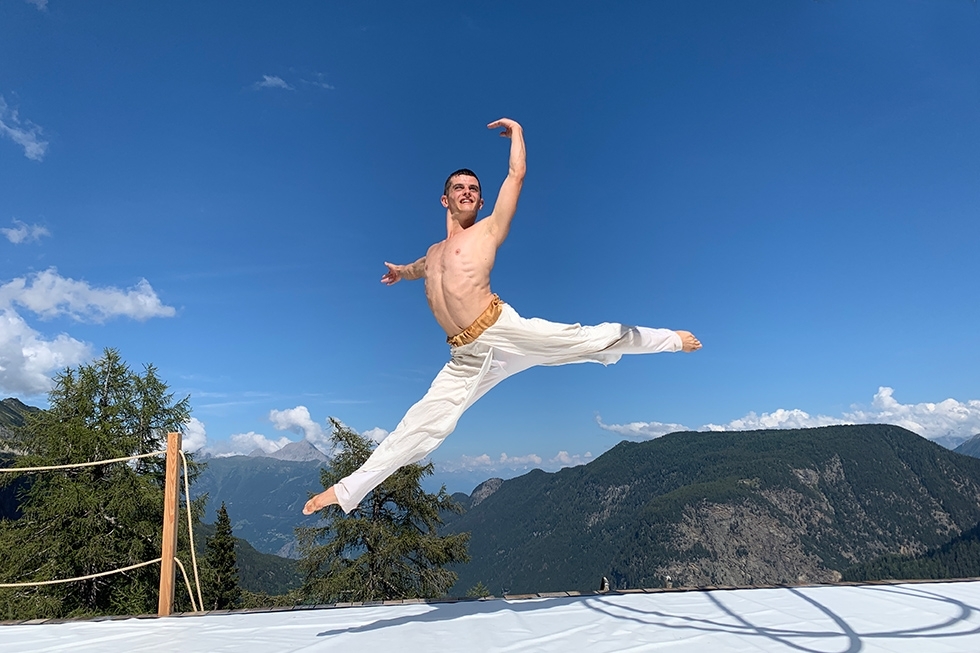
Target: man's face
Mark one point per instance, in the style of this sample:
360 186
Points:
464 195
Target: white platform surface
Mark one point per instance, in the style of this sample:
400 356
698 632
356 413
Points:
931 617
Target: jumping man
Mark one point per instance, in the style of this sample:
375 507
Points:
488 340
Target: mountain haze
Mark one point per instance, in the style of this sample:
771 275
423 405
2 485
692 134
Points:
730 508
970 447
300 451
264 497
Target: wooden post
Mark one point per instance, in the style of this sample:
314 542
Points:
167 569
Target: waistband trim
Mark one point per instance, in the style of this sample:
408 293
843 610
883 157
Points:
486 320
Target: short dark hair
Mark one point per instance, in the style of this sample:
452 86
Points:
461 171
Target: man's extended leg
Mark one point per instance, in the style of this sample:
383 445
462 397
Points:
511 345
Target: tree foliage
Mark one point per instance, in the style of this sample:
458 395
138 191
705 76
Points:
88 520
223 590
386 548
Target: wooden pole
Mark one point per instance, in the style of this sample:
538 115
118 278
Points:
167 569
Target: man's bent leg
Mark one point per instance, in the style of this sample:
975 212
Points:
424 427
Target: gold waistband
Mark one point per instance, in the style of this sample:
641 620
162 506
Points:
485 321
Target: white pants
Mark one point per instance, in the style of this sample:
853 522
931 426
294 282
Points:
513 344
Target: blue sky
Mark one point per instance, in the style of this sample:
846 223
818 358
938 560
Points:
213 188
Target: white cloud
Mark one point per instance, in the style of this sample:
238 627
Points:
377 434
564 459
503 463
298 420
518 462
24 233
466 464
242 444
25 133
40 4
27 360
641 429
48 294
949 419
777 419
195 435
271 81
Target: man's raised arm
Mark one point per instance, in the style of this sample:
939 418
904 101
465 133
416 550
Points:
506 206
408 272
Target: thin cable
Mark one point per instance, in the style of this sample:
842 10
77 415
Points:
190 529
22 470
89 577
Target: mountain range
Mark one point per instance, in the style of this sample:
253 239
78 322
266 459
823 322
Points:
729 508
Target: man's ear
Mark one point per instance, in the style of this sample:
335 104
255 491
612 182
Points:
445 202
481 204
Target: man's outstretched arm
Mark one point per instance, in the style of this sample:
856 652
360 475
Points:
408 272
506 206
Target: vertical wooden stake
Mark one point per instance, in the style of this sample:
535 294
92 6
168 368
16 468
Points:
167 569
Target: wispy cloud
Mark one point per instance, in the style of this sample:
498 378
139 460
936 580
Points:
271 81
23 132
22 232
48 294
319 80
505 464
641 429
41 5
951 419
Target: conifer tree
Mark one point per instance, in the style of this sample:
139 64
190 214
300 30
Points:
88 520
386 548
223 591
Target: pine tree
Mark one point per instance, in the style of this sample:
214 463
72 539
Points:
93 519
223 591
386 548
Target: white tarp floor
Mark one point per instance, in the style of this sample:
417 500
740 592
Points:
932 617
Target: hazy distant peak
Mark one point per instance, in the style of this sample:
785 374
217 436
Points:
296 451
484 489
970 447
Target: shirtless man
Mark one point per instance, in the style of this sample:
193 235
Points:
488 340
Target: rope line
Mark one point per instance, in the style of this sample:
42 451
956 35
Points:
187 584
190 533
190 530
89 577
23 470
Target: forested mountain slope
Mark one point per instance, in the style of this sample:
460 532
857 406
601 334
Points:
722 508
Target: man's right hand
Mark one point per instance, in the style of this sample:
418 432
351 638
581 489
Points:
510 126
394 273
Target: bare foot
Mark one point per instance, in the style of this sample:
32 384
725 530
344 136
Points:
689 342
326 498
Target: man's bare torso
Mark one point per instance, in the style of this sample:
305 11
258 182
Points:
457 277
